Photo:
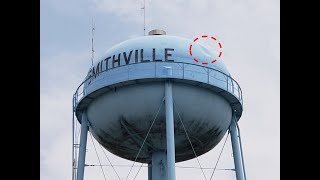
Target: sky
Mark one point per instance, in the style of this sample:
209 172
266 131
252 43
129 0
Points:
249 31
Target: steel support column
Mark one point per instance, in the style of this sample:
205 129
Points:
237 150
83 145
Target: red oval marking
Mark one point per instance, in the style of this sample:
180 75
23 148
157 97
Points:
205 36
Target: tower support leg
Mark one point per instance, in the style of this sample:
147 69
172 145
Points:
150 170
170 127
237 149
83 145
159 169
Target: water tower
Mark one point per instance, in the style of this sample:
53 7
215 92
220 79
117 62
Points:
148 99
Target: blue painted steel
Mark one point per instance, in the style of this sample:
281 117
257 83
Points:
83 145
159 166
170 127
150 171
122 100
181 51
154 48
237 150
125 91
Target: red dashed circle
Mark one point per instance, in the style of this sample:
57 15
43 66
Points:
204 62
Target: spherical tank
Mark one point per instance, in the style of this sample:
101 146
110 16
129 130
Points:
123 95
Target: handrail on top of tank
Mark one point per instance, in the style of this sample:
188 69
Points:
239 88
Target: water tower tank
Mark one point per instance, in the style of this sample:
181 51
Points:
125 88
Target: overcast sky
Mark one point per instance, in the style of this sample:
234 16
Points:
249 31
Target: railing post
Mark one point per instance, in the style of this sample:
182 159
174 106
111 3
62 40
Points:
239 92
232 86
155 69
76 99
208 75
227 83
182 70
128 72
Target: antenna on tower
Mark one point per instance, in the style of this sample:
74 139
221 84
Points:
144 17
92 50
